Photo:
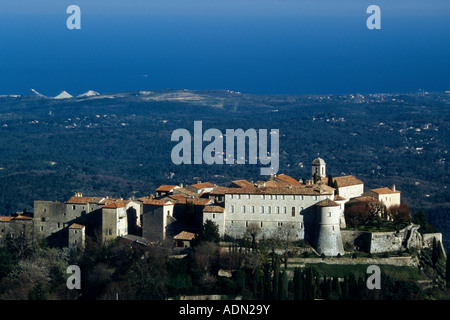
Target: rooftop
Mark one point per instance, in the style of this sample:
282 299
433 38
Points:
85 200
344 181
76 226
294 190
166 187
214 209
384 190
327 203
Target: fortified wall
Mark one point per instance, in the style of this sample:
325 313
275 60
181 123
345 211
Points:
379 242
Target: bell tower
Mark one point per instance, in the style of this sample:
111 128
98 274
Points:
319 168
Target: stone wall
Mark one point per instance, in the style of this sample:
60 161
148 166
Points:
378 242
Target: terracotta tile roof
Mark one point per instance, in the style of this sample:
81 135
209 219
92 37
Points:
344 181
185 191
242 183
76 226
85 200
327 203
202 185
184 235
195 201
366 199
155 202
20 217
177 197
274 184
294 190
10 218
339 198
214 209
116 204
384 190
166 188
288 179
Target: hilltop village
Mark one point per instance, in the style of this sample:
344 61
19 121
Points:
281 206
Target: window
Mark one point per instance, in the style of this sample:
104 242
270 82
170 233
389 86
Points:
277 209
252 209
329 214
42 228
243 209
59 224
261 224
43 219
269 209
246 223
214 215
284 210
280 224
231 209
74 207
293 211
261 209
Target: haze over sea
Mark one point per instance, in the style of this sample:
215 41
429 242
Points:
314 50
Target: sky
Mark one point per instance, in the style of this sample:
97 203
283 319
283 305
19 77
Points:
253 46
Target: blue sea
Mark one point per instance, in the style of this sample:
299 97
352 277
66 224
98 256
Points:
260 54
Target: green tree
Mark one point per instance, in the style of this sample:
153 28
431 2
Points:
283 286
330 181
276 275
336 186
6 262
39 292
298 284
208 233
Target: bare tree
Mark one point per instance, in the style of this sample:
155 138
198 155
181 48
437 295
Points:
253 230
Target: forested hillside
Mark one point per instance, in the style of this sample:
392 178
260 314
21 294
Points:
119 144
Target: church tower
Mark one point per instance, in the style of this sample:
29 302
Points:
319 167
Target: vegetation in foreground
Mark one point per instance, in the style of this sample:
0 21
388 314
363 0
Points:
129 271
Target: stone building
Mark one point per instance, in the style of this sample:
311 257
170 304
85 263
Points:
77 237
157 219
52 218
16 226
114 220
328 239
388 196
271 208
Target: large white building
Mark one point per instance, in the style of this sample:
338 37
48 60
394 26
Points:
286 208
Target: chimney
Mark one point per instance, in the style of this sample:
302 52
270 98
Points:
393 187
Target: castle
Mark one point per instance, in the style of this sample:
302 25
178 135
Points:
280 207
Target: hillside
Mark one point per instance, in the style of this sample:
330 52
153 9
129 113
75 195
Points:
118 144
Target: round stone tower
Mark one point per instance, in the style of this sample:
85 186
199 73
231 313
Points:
319 167
328 239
